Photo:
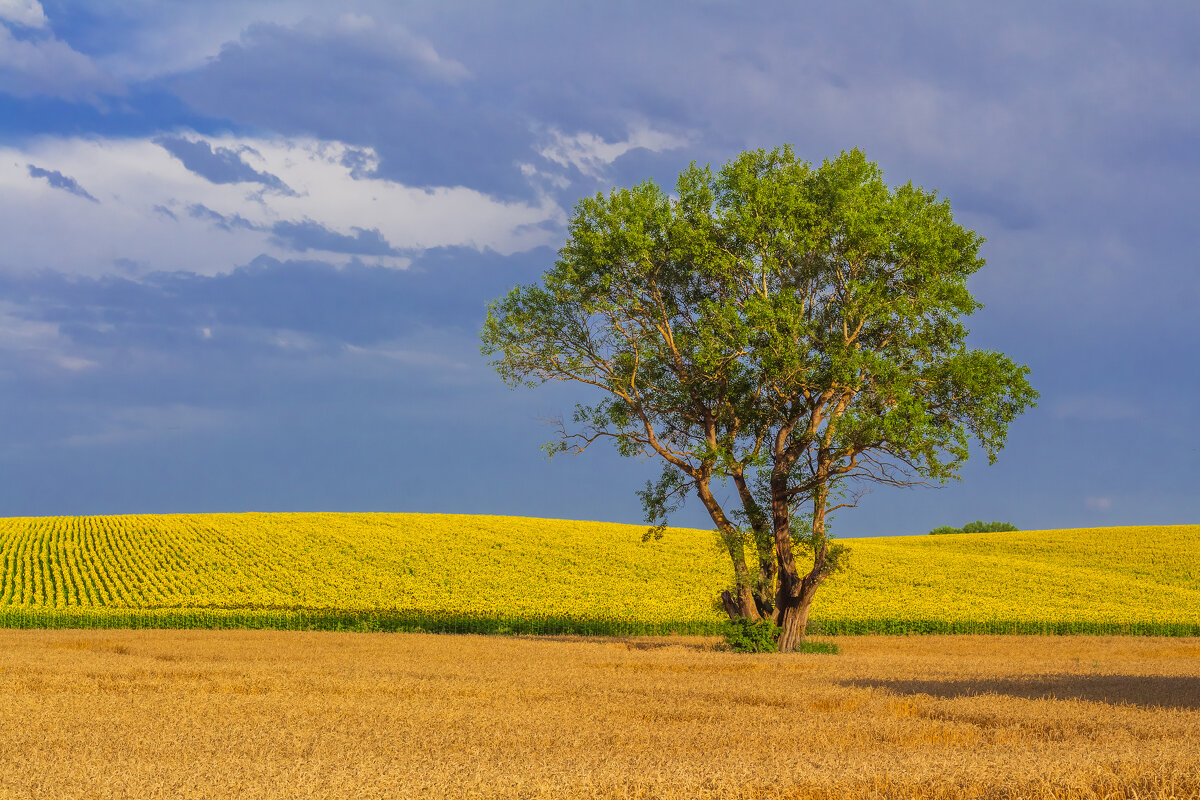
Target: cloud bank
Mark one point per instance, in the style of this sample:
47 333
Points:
26 13
182 202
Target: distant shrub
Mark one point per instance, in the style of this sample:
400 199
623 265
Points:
753 637
978 526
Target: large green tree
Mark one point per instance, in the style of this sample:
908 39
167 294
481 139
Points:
794 331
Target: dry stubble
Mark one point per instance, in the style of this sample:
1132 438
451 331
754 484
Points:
249 714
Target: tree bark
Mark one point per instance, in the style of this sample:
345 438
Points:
730 606
794 618
764 547
787 592
746 607
740 607
796 594
768 569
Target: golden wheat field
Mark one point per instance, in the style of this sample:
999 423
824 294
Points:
487 573
280 714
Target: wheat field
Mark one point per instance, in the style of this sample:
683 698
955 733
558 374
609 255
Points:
274 715
443 572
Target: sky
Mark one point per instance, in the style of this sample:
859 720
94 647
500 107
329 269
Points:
246 247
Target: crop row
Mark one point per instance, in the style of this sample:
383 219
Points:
487 574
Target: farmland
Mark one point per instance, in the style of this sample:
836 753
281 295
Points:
308 713
510 574
285 714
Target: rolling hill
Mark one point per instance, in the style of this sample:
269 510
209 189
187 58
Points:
515 574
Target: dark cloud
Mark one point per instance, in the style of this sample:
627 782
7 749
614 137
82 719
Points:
60 181
301 236
356 304
226 222
1003 206
360 164
128 266
144 111
362 86
222 165
947 97
309 235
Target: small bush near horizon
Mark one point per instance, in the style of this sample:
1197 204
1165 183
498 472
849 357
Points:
978 526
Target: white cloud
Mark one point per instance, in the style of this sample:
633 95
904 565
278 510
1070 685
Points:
27 13
49 66
1098 503
152 210
544 178
590 154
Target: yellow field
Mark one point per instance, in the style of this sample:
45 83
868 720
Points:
277 715
1090 575
457 572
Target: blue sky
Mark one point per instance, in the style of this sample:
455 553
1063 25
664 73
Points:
245 247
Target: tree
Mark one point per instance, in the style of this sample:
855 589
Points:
978 526
793 330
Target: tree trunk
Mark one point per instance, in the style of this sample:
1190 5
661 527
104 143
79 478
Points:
796 596
768 569
744 602
742 606
731 607
764 547
794 619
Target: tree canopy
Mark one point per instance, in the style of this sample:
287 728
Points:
794 330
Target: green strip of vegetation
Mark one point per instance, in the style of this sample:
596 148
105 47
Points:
407 622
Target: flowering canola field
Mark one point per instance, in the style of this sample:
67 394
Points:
445 572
